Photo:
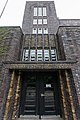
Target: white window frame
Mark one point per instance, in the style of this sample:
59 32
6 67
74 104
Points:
45 30
44 11
44 21
34 31
39 30
39 55
39 21
35 11
46 55
34 21
39 11
53 55
32 55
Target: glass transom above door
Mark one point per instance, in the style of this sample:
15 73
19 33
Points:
39 55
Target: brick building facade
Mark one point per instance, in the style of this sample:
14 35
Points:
38 62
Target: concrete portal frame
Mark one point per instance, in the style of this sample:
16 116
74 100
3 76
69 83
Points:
68 107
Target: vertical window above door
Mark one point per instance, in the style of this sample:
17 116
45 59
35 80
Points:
32 55
35 11
39 11
46 55
39 55
25 55
44 11
53 55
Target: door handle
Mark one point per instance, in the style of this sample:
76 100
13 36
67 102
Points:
42 95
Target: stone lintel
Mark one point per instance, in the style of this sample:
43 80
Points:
39 65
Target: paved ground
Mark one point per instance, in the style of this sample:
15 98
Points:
54 117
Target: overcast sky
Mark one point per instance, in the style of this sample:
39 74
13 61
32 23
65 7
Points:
13 14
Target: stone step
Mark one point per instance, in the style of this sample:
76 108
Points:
32 117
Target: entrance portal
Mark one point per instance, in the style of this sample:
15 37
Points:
40 93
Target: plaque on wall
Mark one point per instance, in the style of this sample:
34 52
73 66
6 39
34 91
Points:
48 85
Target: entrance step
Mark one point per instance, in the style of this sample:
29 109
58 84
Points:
32 117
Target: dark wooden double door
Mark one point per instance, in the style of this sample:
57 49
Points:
40 94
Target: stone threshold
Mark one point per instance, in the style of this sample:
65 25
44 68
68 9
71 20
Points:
46 117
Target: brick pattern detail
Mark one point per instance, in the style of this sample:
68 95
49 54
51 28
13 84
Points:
70 37
11 97
10 44
40 41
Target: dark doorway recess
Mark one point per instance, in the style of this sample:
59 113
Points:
40 93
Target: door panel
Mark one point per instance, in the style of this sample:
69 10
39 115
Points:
48 95
39 94
28 104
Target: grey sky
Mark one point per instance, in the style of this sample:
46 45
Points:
13 14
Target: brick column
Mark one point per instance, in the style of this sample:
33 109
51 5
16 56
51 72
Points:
70 95
17 100
63 97
10 98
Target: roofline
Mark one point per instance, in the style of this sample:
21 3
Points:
10 26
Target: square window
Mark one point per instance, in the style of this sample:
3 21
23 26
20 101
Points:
39 11
44 11
39 30
35 11
45 30
39 21
34 31
44 21
34 21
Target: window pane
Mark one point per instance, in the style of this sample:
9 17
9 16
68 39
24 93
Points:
35 11
44 11
39 30
25 55
34 31
39 55
44 21
53 55
34 21
45 30
32 55
39 11
39 21
46 55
